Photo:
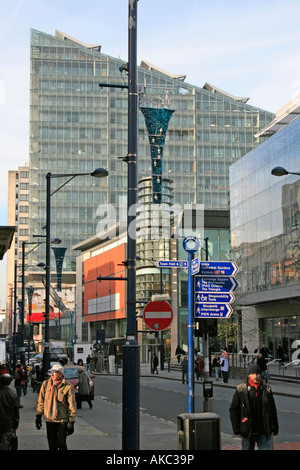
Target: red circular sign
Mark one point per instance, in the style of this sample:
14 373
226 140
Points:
158 315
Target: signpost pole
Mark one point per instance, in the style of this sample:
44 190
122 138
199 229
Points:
191 384
190 245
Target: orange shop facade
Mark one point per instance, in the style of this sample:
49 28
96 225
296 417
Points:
100 304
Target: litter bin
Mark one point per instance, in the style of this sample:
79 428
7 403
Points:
198 431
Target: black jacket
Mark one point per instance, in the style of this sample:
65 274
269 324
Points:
9 410
253 411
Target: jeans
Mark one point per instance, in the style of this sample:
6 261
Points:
19 391
57 436
263 443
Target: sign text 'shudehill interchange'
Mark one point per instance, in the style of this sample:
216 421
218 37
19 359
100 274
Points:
214 287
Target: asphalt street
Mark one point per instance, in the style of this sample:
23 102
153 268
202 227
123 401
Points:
100 428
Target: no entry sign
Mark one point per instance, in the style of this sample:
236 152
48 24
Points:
158 315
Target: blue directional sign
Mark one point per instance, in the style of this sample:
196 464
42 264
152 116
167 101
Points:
195 266
211 297
213 310
218 268
215 284
171 264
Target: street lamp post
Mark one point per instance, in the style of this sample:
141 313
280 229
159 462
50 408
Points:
24 243
131 371
280 171
98 173
30 291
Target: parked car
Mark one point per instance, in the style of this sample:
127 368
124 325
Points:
71 375
38 359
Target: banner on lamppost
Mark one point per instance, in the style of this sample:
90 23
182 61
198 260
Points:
20 305
59 253
30 291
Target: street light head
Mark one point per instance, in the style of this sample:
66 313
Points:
99 173
55 241
279 171
41 265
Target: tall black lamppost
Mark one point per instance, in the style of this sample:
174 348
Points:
98 173
24 243
131 366
131 372
22 303
30 291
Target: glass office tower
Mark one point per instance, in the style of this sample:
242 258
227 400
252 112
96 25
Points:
265 235
77 126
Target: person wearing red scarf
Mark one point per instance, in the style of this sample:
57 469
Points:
253 412
56 402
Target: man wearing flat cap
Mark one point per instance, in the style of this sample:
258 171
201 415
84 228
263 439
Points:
253 412
56 402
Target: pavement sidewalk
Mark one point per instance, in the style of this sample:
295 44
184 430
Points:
155 434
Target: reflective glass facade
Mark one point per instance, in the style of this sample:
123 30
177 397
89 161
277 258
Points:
77 126
265 231
265 217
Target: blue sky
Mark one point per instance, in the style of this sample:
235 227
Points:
248 48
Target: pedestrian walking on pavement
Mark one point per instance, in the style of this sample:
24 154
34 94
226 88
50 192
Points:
199 367
9 413
155 364
178 353
253 412
4 369
262 364
216 366
184 365
224 365
20 378
56 402
89 363
83 389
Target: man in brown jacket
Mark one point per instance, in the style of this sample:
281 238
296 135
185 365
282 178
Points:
56 402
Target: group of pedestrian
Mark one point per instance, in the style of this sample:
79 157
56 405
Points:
220 365
56 404
198 367
252 411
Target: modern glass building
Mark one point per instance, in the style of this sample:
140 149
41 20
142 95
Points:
77 126
265 231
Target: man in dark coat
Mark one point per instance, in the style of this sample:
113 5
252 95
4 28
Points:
9 412
253 412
